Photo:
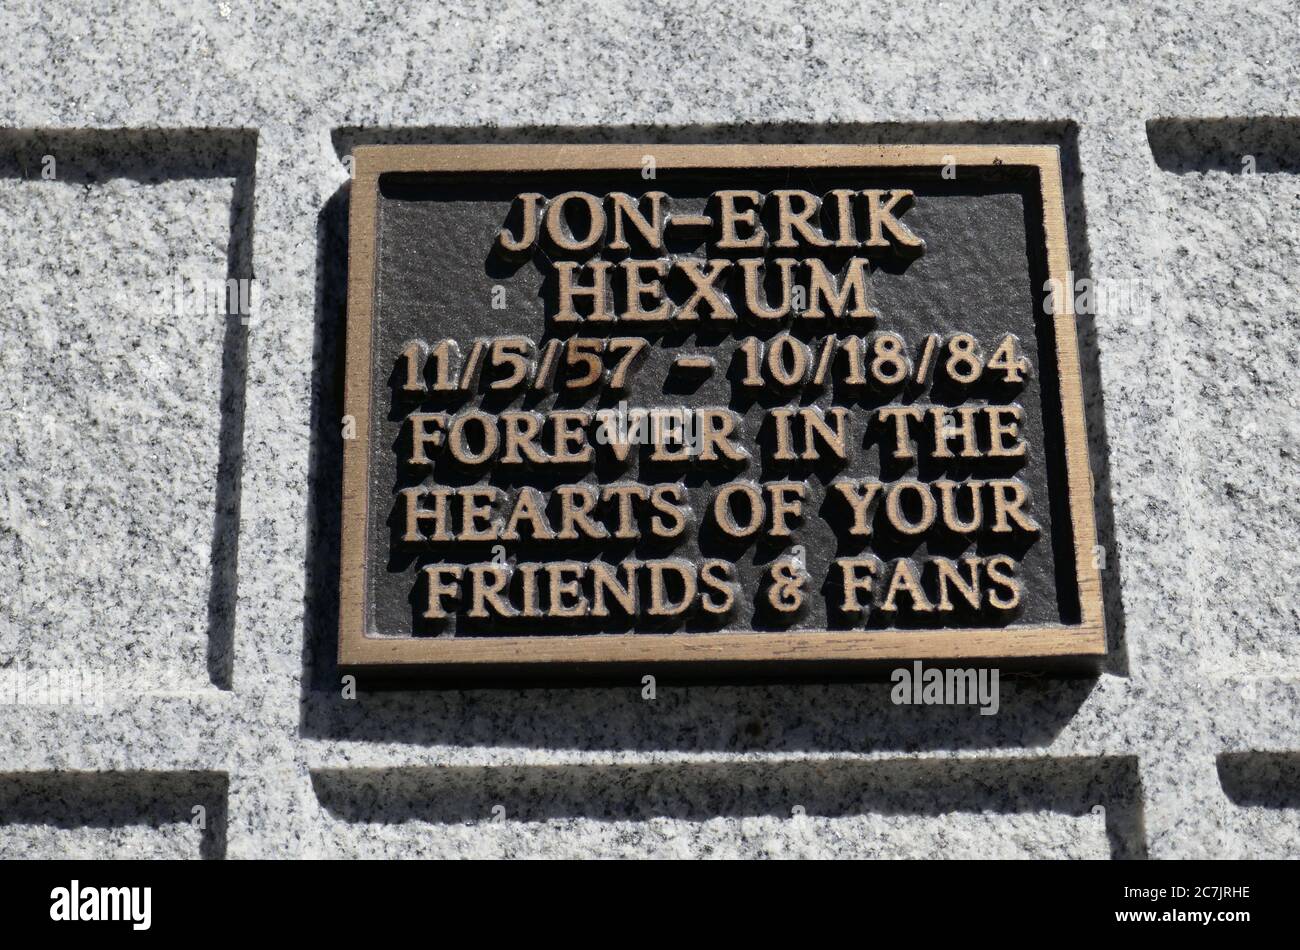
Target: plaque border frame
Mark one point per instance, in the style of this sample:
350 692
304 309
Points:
539 655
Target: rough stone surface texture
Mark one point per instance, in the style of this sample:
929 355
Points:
169 474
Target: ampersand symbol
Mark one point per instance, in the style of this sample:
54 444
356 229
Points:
786 592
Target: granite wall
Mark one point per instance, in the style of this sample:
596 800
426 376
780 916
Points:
169 476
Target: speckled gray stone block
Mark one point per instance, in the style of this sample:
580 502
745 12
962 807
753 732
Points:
112 400
794 809
1264 791
91 815
1231 194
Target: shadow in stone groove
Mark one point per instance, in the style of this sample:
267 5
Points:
1237 146
709 716
93 156
325 459
700 791
1261 779
156 800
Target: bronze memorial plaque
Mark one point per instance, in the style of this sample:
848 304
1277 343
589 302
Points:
712 408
